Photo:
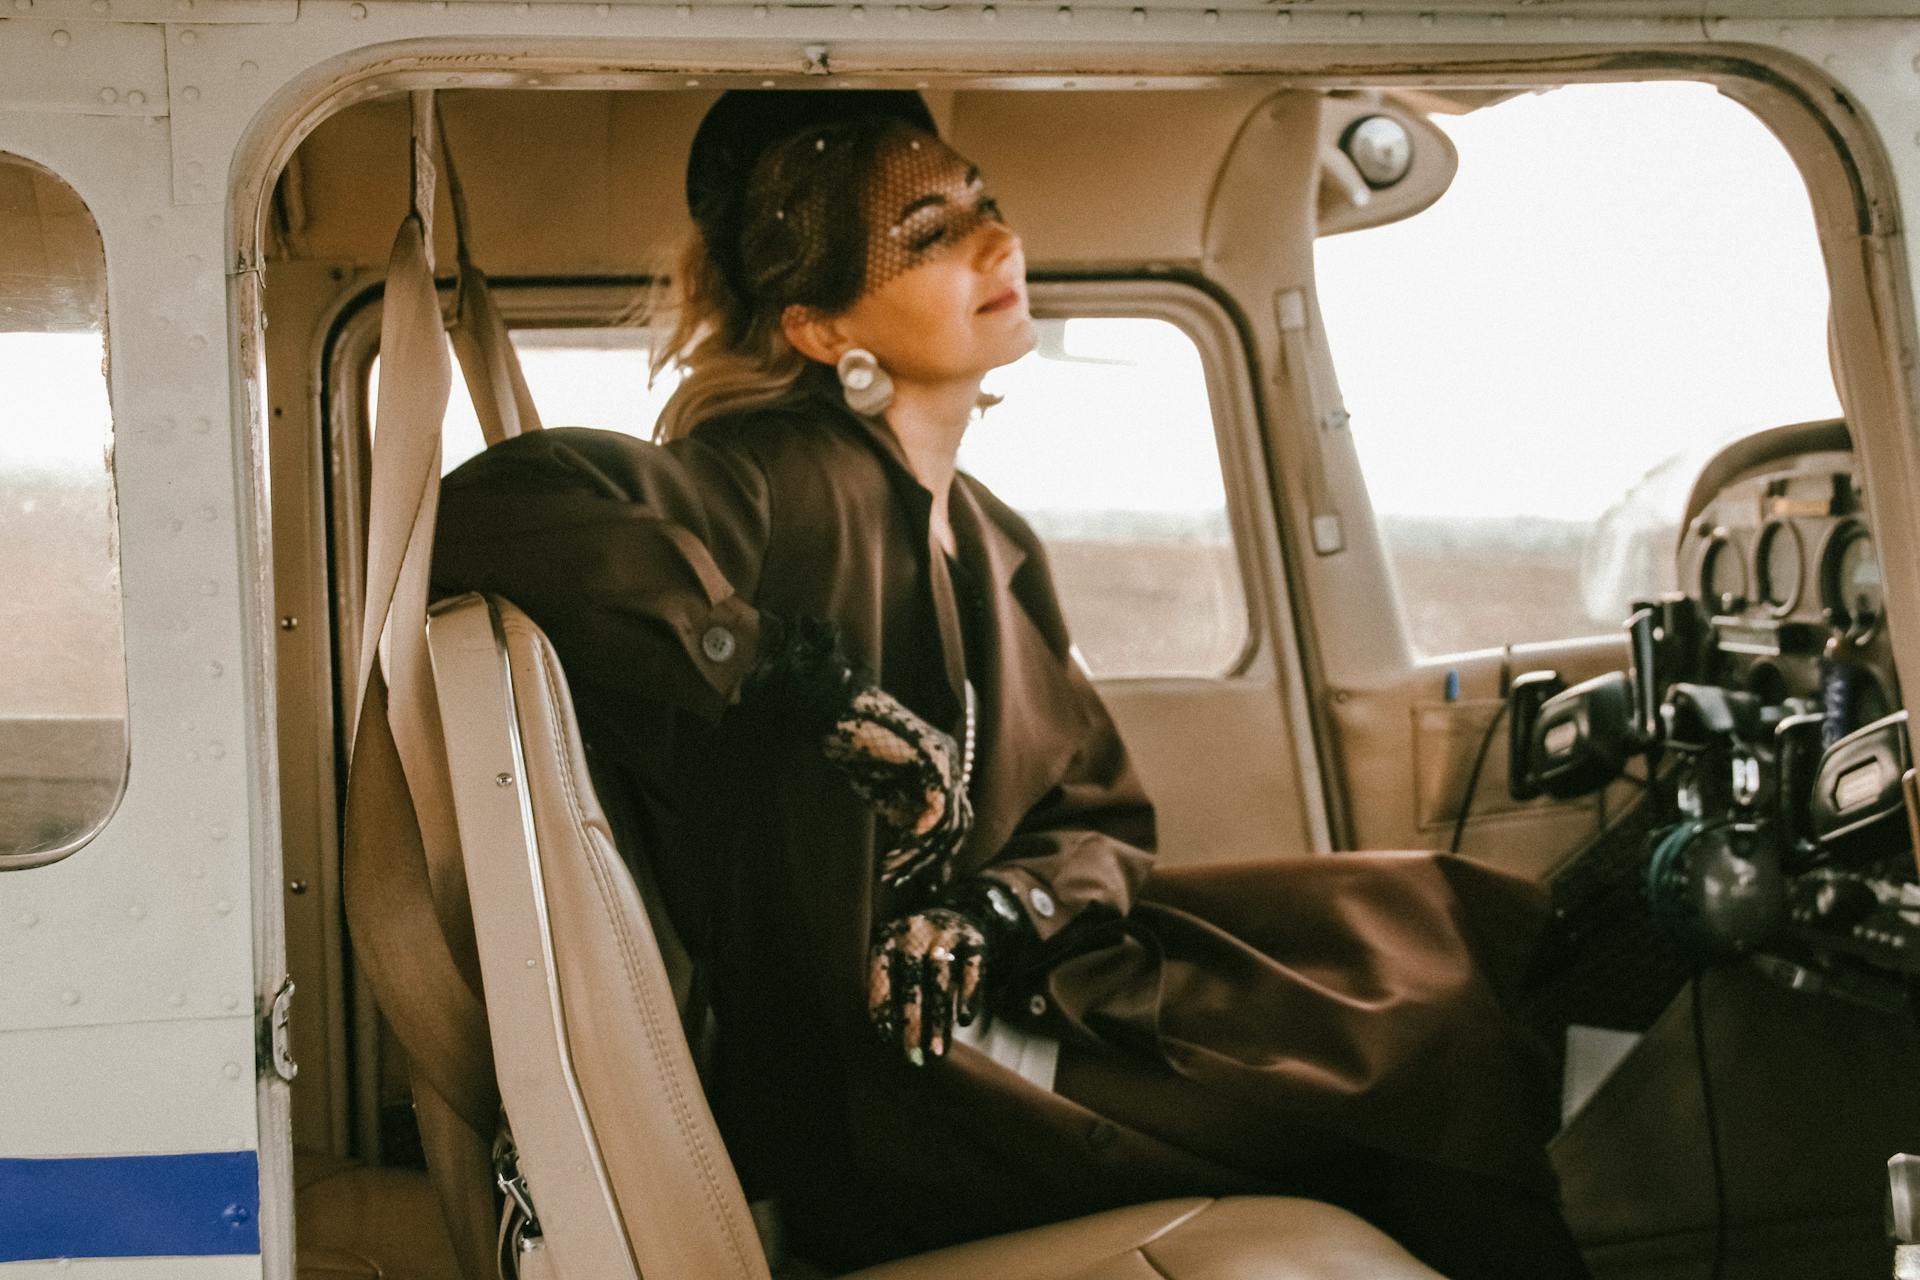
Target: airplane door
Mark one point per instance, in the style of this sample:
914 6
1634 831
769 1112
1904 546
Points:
143 1112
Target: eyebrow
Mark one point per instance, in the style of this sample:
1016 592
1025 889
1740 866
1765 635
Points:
924 202
929 201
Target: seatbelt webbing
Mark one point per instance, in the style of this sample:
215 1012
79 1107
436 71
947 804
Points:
404 877
414 383
494 377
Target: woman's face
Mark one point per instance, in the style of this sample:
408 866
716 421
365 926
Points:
946 295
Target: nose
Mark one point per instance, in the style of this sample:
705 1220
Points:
994 243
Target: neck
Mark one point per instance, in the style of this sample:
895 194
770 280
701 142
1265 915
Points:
928 420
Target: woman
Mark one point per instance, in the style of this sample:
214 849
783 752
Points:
828 681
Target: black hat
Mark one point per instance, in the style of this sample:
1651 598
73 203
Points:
739 128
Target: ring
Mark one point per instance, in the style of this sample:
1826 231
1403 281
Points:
940 955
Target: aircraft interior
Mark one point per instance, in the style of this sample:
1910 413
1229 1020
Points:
1710 785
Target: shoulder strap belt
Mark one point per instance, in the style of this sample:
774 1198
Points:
404 879
494 378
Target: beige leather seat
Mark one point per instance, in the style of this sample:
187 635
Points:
625 1167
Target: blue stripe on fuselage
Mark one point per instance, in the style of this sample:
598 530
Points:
190 1205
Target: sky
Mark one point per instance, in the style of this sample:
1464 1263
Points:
53 403
1617 273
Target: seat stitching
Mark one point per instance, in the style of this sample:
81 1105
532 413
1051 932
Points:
690 1130
649 1015
1178 1222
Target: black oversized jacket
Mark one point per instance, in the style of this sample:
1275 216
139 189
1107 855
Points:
1360 994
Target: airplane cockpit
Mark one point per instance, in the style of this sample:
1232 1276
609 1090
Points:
1760 710
1492 459
1715 787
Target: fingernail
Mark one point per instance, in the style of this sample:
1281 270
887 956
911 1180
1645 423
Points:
916 1057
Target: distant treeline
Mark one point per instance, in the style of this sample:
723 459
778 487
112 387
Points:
1427 533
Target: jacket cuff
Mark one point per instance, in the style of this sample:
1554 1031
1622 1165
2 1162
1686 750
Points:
724 646
1045 914
802 676
1003 920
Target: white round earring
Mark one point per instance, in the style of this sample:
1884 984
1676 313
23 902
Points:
863 382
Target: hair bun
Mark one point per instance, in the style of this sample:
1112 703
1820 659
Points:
739 128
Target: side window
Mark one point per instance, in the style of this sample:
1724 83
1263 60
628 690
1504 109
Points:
1621 279
63 690
588 376
1104 441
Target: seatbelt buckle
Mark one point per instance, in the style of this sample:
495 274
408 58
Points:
523 1223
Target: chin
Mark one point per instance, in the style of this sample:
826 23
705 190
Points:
1018 339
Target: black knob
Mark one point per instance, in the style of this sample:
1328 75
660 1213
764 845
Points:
1843 903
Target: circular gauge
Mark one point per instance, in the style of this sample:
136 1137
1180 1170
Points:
1779 566
1850 579
1723 577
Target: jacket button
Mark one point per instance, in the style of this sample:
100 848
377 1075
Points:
717 643
1037 1005
1042 903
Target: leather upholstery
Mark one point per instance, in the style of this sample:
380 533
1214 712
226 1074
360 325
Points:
355 1223
1240 1238
637 1098
636 1075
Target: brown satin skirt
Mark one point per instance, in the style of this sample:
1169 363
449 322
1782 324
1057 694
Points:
1334 1027
1365 996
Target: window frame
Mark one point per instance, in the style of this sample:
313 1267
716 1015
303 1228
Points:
15 860
1187 303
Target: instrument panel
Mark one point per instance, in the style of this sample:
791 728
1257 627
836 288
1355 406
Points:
1763 700
1783 565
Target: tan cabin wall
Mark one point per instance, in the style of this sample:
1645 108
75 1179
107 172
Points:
588 182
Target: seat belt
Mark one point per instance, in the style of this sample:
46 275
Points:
404 880
492 367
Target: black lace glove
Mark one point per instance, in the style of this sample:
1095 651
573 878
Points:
927 972
908 771
924 975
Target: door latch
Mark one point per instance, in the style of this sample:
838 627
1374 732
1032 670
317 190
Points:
275 1048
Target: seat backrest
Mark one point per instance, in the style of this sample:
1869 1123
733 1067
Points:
620 1151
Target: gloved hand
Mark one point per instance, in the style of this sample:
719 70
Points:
911 774
924 975
908 771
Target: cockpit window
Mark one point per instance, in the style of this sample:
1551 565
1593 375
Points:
1620 279
63 686
1104 440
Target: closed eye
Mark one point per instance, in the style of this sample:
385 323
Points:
922 241
941 226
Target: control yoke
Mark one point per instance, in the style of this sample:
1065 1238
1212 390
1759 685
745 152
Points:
1566 742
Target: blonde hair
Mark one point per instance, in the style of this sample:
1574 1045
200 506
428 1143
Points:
729 363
